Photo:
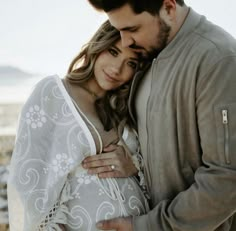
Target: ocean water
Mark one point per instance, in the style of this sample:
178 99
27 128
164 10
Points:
13 93
16 90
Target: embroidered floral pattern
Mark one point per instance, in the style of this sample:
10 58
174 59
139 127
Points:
62 164
86 179
35 117
56 194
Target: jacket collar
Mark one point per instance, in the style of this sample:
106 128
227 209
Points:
191 22
138 76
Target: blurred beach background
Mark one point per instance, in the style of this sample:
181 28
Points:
40 38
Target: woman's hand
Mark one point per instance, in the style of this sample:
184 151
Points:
113 162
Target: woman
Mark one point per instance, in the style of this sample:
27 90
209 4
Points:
62 123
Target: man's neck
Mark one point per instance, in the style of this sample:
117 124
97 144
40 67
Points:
181 15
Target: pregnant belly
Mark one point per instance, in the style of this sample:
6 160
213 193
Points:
92 199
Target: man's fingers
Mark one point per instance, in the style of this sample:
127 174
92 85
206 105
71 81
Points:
107 225
62 227
118 224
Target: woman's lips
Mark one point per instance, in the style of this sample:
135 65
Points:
109 78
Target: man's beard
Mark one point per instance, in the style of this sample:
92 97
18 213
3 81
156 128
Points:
162 40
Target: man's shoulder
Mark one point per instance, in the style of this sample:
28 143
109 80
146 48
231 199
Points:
212 38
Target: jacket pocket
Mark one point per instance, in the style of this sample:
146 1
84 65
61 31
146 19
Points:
225 119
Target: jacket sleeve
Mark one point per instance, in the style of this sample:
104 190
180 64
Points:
210 202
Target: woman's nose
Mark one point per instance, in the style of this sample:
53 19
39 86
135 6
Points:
116 68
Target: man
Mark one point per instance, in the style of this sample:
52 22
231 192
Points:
185 109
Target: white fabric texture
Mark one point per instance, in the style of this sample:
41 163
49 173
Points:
47 183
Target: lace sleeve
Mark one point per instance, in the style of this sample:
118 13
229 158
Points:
131 140
139 164
55 217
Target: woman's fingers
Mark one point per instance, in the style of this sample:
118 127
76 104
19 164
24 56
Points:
108 171
103 156
100 161
112 163
98 170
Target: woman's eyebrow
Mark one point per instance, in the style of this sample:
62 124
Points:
115 47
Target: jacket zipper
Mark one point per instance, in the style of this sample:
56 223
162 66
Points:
226 135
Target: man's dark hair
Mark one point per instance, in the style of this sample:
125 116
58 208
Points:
138 6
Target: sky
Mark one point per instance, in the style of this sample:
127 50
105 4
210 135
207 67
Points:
43 36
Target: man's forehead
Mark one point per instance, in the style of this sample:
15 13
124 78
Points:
123 27
122 18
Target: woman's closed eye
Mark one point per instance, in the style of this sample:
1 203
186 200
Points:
132 64
113 52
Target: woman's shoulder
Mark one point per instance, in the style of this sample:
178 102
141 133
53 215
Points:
42 87
50 78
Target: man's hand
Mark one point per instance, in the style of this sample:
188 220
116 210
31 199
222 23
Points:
118 224
62 227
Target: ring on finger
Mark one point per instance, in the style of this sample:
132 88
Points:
113 167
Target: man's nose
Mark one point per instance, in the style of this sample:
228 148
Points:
126 39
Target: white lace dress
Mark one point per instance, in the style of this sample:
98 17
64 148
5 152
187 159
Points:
47 185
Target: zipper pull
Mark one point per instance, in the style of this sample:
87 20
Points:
224 116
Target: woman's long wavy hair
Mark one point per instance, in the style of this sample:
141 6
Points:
112 109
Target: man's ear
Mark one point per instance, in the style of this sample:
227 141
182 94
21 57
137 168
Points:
168 10
169 6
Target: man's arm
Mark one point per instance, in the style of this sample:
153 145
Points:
211 199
